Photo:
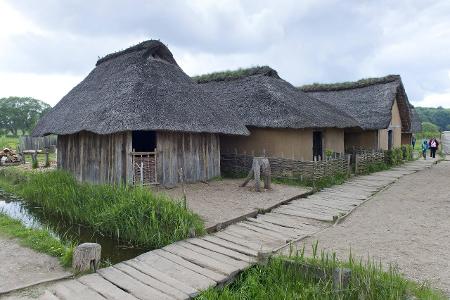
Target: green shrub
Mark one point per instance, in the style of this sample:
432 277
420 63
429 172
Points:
393 157
407 151
132 214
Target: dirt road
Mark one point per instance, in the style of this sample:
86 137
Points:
407 225
21 267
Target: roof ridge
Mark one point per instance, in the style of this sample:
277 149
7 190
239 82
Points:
348 85
239 73
154 47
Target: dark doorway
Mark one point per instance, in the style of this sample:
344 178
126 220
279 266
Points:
389 139
317 144
144 141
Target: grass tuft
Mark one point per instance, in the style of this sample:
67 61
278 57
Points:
133 215
278 280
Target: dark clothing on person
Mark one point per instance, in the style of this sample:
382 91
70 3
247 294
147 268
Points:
433 144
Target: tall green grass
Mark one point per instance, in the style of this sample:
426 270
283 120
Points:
38 239
8 142
277 281
134 215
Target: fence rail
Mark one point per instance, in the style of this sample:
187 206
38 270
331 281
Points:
27 142
239 164
144 168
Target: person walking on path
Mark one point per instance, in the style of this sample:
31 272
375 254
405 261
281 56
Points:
413 142
433 144
424 149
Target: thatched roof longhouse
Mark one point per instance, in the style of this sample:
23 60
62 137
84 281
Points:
369 101
260 98
140 88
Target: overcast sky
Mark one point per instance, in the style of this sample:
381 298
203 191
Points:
48 46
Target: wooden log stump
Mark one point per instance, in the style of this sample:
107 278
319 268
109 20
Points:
260 165
86 257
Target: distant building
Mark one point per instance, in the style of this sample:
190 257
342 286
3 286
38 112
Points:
380 105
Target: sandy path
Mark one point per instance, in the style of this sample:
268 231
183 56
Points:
20 266
407 225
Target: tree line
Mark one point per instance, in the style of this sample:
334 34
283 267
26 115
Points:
434 119
20 114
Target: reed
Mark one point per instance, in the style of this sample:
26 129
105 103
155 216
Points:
134 215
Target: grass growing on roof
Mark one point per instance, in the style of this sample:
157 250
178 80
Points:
38 239
276 281
131 214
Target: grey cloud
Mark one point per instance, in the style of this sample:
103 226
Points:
307 41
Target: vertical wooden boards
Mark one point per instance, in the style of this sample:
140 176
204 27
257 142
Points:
96 158
197 153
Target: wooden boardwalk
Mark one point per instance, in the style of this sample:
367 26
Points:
183 269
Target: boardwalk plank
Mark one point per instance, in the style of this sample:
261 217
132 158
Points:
131 285
304 214
230 245
150 271
215 255
220 249
201 260
243 241
177 271
105 288
152 282
216 276
282 238
74 290
291 232
253 236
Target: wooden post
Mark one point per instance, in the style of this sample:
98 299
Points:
181 176
47 162
255 172
86 257
34 162
141 169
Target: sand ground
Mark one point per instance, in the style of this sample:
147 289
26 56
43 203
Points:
223 200
406 225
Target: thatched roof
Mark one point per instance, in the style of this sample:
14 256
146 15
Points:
369 101
416 122
260 98
140 88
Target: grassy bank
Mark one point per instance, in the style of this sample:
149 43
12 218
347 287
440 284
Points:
133 215
37 239
276 280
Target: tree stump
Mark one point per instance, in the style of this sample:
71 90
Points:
86 257
259 165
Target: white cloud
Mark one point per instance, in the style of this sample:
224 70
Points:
48 88
435 100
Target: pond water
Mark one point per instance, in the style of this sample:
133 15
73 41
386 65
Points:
34 217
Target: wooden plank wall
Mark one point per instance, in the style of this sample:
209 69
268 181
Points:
197 153
96 158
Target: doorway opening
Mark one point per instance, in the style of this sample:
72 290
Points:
390 140
317 145
144 141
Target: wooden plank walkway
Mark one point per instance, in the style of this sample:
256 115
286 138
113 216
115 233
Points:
185 268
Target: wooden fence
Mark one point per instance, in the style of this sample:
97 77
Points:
37 143
239 164
144 168
365 158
